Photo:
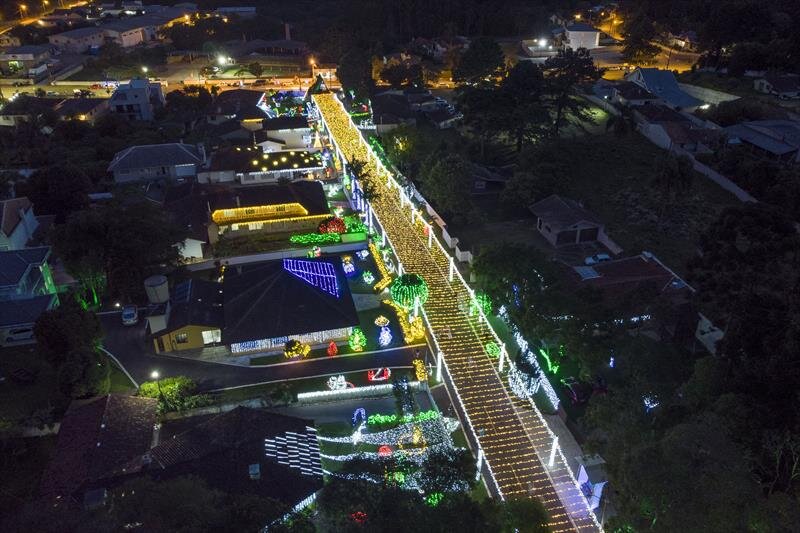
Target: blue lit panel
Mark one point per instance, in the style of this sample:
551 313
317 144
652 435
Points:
318 274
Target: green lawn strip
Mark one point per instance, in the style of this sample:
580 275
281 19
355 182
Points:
119 381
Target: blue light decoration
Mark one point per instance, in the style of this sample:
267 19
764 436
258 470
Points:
650 402
385 336
359 413
317 273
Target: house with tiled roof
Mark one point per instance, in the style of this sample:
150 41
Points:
17 223
784 86
776 139
157 161
96 439
26 291
664 85
258 307
563 221
242 452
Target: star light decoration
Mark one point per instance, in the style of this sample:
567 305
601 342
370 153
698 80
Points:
460 337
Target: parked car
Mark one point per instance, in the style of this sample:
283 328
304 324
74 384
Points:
19 335
596 258
130 315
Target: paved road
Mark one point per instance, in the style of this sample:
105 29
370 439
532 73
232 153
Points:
130 348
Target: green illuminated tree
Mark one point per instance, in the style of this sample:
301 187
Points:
408 289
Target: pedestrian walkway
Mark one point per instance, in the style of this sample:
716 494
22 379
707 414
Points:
510 434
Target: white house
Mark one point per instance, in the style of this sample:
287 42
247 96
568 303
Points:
284 133
17 223
582 36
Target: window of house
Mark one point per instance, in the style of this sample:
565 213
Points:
212 336
182 338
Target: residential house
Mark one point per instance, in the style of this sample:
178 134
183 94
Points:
138 99
784 86
775 139
78 40
258 307
96 439
180 204
157 161
248 107
63 17
686 40
84 109
26 291
670 129
579 35
390 110
662 83
29 60
628 93
25 107
241 453
624 283
562 221
443 118
284 133
133 31
250 165
17 223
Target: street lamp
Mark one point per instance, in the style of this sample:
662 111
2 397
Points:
155 375
144 69
22 10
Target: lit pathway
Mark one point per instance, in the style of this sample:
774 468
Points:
515 441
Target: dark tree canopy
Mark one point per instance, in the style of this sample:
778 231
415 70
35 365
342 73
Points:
482 59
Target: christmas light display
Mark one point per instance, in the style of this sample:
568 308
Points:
315 238
385 451
492 350
384 337
461 339
332 349
354 224
381 321
295 349
362 254
420 371
434 498
386 278
347 265
317 273
409 290
357 340
413 328
367 277
482 302
379 374
337 382
332 225
378 419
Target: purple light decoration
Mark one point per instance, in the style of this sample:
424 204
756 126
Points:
317 273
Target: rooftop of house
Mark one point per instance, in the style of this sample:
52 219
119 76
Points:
242 451
578 26
155 155
71 107
784 83
663 84
778 137
27 49
309 194
80 33
619 277
15 263
195 302
96 437
240 102
10 213
252 159
25 311
631 91
27 105
389 108
286 123
562 213
286 297
654 113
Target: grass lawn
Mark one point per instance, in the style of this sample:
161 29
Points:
615 178
119 382
18 400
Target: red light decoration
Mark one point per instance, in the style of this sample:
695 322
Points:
380 374
385 451
359 517
333 225
332 349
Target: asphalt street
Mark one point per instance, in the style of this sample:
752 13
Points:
129 346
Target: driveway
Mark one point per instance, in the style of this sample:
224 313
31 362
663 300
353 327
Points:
129 346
